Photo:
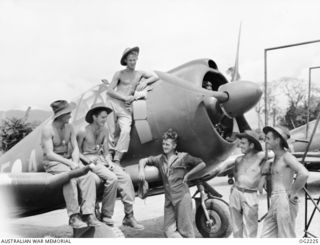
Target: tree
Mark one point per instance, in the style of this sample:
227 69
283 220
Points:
275 111
297 93
288 102
12 130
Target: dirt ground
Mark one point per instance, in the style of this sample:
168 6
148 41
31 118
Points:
150 213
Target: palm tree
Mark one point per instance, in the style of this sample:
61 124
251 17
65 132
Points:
12 130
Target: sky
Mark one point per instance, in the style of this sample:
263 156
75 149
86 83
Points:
58 49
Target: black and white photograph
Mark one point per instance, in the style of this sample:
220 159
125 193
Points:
159 119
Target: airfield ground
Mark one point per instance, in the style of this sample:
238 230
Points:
150 213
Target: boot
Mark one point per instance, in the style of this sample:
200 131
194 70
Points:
129 220
76 222
108 221
92 220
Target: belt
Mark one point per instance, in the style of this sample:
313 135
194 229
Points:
245 189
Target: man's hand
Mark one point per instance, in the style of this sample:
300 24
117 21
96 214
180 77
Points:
260 189
142 85
129 100
293 198
141 175
111 166
92 165
142 94
185 178
73 165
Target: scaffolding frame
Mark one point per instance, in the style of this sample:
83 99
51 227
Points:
308 196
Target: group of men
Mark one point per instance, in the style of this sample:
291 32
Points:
65 150
252 171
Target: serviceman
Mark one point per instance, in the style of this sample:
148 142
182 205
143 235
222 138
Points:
247 173
121 93
93 145
280 220
61 154
175 169
208 85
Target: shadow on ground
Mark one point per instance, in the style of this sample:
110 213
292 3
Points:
153 229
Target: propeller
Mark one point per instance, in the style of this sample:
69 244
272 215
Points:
226 107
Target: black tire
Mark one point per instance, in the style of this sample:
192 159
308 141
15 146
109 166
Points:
230 181
219 213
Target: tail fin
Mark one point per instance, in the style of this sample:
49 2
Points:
26 114
235 73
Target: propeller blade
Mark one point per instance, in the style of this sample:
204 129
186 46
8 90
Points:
242 123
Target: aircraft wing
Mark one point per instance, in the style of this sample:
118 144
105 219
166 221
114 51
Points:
312 160
33 193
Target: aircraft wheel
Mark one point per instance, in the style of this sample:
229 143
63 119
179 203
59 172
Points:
219 214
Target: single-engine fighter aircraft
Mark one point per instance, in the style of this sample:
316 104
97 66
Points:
177 100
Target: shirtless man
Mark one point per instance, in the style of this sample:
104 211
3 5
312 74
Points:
280 220
121 94
61 154
243 203
93 145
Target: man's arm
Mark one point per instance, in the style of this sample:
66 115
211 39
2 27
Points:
225 165
150 77
105 146
113 93
47 144
301 171
75 153
263 171
81 136
142 164
194 170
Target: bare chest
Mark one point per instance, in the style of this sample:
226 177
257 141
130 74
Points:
94 138
61 137
280 169
249 168
129 79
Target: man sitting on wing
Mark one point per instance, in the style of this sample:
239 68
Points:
61 154
127 86
93 145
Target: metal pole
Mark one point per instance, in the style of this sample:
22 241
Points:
265 89
308 111
266 119
309 95
292 45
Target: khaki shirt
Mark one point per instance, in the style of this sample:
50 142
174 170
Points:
172 176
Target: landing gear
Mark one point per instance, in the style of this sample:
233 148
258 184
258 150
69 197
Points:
212 214
230 181
230 178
